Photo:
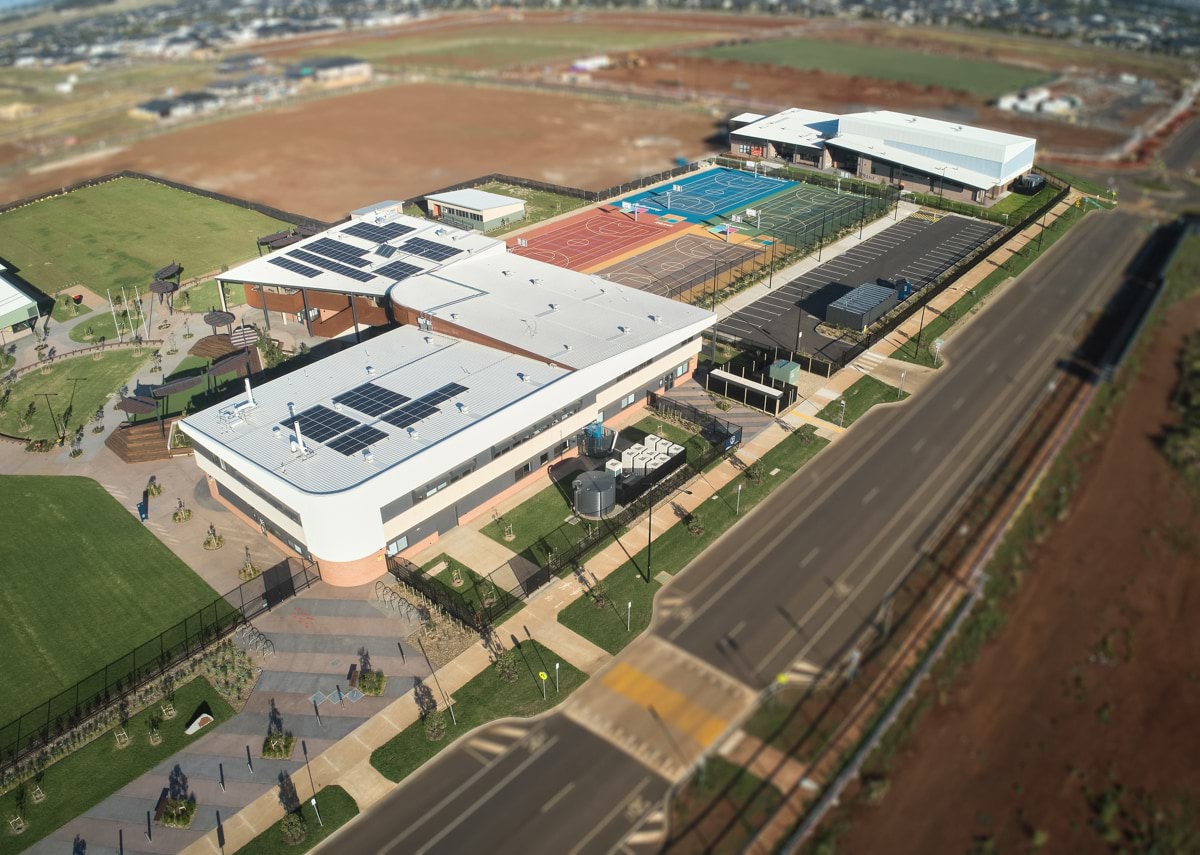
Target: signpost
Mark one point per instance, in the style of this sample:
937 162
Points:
937 349
628 614
313 802
543 676
556 678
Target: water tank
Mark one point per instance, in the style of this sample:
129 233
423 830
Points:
595 493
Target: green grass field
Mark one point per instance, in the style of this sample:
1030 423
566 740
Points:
203 297
86 777
84 584
539 204
484 698
982 78
539 522
99 375
337 808
121 232
859 398
474 589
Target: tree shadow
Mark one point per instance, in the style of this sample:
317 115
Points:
79 846
423 697
289 799
177 786
364 660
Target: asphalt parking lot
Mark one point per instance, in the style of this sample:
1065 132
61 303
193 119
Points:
915 249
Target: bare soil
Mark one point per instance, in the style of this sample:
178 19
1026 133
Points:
1094 682
327 157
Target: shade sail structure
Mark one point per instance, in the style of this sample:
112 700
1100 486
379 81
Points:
244 336
179 384
162 286
172 269
218 319
232 362
137 405
271 238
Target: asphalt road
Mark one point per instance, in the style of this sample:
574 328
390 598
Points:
913 249
793 580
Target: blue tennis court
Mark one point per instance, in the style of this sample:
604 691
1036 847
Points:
715 191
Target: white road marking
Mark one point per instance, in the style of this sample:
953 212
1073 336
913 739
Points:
557 797
870 495
811 555
620 807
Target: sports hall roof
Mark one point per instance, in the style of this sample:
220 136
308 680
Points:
872 147
954 132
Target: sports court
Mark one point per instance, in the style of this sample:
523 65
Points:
672 268
794 216
706 194
919 248
587 240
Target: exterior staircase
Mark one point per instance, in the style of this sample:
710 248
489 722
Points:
140 443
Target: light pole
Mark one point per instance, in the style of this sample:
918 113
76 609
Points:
900 391
842 414
308 767
53 418
942 187
650 532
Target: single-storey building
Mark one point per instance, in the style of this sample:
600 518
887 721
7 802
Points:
475 209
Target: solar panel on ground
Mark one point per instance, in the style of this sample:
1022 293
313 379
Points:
295 266
377 234
357 440
429 249
371 399
385 250
332 266
342 252
398 270
320 423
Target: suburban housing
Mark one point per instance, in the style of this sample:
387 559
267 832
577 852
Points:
948 158
498 363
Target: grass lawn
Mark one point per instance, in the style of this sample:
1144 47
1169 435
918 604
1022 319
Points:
1011 208
676 547
84 585
1083 185
86 777
337 808
102 327
864 394
474 589
62 313
965 304
142 227
979 77
540 522
99 374
484 698
697 446
203 297
539 204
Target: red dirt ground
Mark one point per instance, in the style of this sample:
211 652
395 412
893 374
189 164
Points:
1013 746
586 240
327 157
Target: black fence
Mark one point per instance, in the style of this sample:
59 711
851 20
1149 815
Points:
150 660
939 202
747 395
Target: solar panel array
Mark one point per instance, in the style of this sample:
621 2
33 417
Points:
429 249
357 440
423 407
371 399
377 234
338 251
385 250
332 266
295 266
320 423
398 270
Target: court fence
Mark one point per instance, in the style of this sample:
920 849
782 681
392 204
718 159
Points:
37 729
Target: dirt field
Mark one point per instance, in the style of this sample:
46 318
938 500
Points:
328 157
1087 697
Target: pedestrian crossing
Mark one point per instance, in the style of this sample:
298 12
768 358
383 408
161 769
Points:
867 362
648 835
496 740
927 216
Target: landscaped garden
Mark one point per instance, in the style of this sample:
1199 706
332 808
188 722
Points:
539 204
203 297
144 226
864 394
479 594
508 688
76 388
84 584
87 776
540 523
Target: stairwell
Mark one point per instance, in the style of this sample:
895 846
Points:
140 443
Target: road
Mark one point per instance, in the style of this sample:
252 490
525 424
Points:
785 588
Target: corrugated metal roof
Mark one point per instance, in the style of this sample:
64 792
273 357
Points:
12 298
863 298
474 200
859 123
794 126
872 147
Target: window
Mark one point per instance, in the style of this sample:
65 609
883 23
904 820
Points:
397 545
743 148
629 400
679 372
545 458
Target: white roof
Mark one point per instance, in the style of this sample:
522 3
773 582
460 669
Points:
407 361
12 298
561 315
366 280
795 126
747 117
474 200
955 133
872 147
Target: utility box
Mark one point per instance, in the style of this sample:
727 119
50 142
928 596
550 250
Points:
785 371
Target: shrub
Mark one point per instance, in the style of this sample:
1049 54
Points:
372 683
506 666
293 829
435 725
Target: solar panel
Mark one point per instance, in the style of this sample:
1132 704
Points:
429 249
398 270
385 250
357 440
332 266
295 267
445 393
342 252
378 234
320 423
371 399
424 406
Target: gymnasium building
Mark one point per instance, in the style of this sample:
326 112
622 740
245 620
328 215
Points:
924 155
491 366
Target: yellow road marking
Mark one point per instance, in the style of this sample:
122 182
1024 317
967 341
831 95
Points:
672 707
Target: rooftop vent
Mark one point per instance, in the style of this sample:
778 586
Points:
522 376
462 408
566 347
656 319
535 281
370 370
506 273
277 432
367 455
554 307
624 329
412 433
454 316
429 339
